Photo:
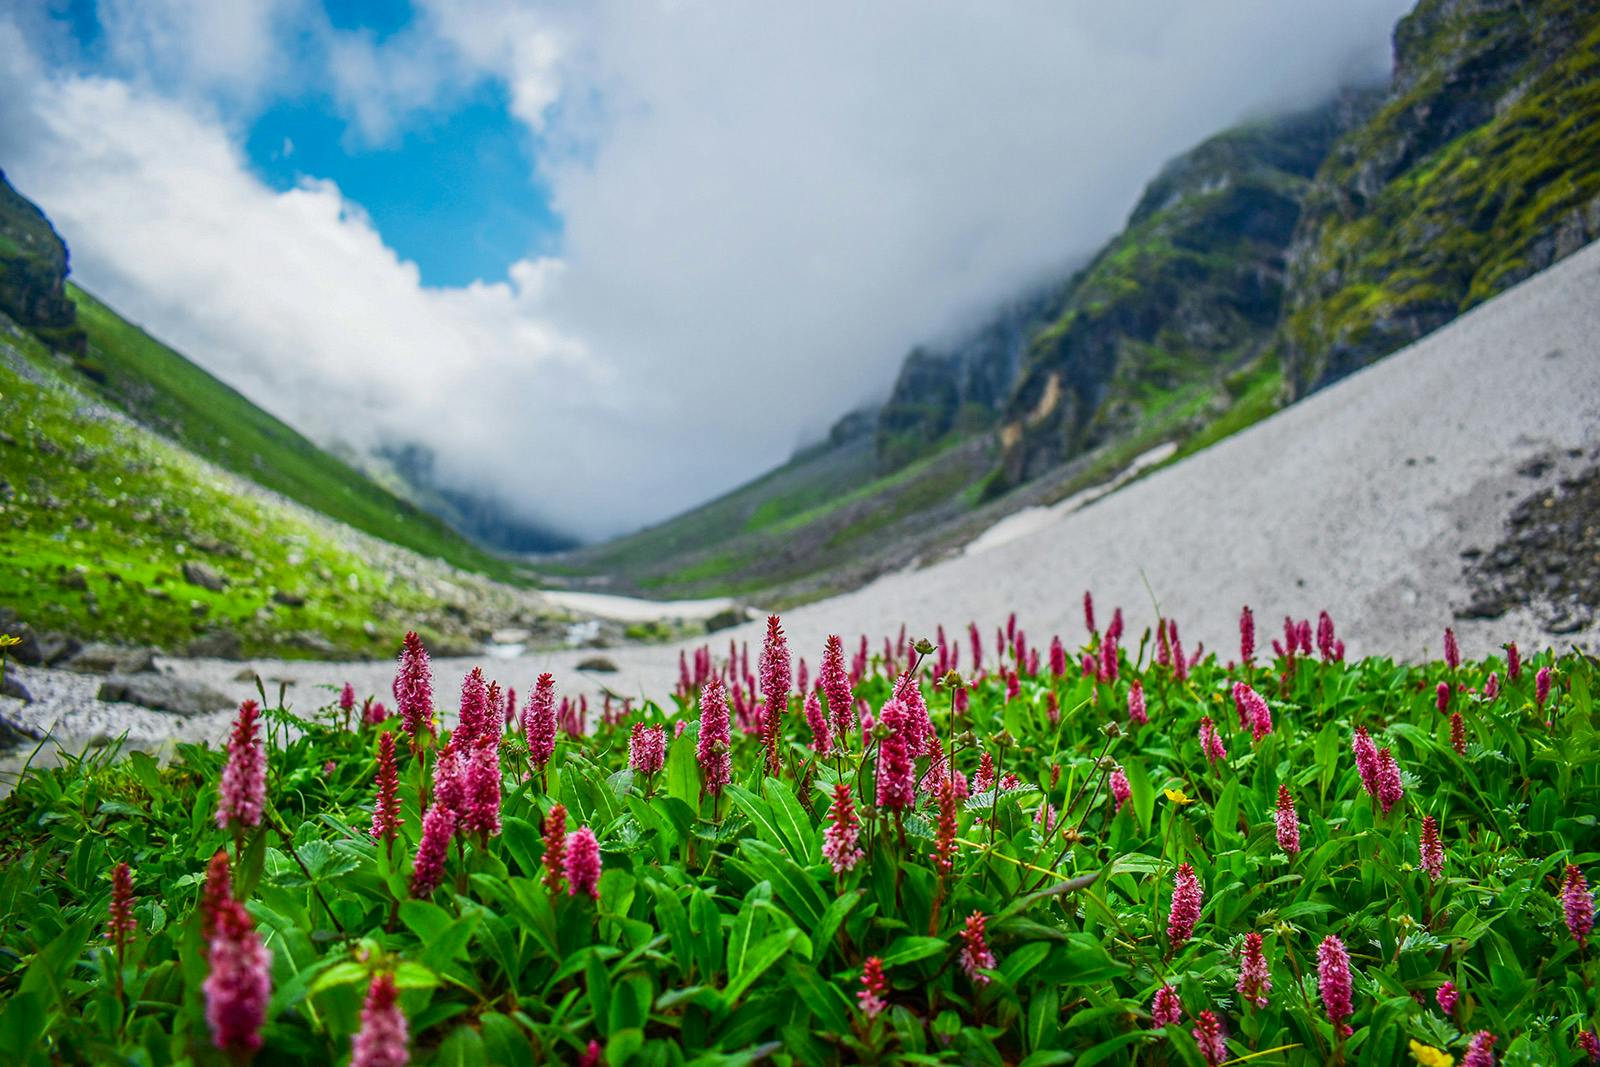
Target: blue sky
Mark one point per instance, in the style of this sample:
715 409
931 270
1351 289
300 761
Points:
454 190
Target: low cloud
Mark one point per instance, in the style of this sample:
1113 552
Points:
763 208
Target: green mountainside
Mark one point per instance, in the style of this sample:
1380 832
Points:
1481 168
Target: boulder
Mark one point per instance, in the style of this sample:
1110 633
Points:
54 648
598 664
161 693
197 573
13 733
724 620
216 644
288 599
97 658
11 687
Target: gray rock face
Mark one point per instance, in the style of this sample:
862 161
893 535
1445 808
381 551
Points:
199 574
598 664
99 658
160 693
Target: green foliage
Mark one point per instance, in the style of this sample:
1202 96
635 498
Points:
721 934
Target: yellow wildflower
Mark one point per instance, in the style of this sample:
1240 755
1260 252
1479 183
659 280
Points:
6 640
1429 1056
1177 796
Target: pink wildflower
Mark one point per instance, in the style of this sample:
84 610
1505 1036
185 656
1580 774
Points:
555 848
386 820
1210 743
581 863
413 690
120 923
1441 697
539 721
1058 657
1333 981
1247 637
1325 636
373 712
1458 734
647 749
450 779
1452 650
1109 663
1255 977
476 717
1446 996
347 698
592 1055
1184 911
1577 903
776 678
1541 686
1114 631
427 870
218 891
239 982
1088 613
1166 1008
1431 850
839 840
873 986
1091 666
836 687
975 954
1480 1050
944 842
480 780
1288 822
1491 688
1212 1037
243 789
1513 662
1136 710
1589 1042
1390 790
1366 760
1121 791
716 765
983 781
1255 709
381 1041
896 771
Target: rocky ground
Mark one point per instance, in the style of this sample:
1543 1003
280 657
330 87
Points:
1549 558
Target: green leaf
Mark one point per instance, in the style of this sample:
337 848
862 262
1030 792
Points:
762 955
910 949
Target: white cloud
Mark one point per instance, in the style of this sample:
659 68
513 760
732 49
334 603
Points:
200 48
764 207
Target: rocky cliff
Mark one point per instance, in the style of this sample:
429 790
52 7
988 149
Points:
1187 293
33 273
1481 168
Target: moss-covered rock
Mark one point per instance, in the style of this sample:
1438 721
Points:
33 274
1481 168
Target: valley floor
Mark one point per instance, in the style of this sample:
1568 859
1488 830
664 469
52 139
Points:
1360 500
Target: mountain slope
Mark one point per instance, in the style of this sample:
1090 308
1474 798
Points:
1185 295
111 531
1482 167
